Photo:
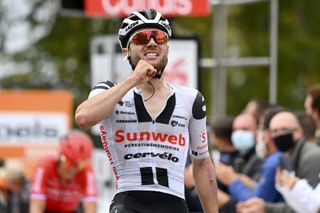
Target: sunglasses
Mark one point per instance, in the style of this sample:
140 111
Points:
143 37
80 165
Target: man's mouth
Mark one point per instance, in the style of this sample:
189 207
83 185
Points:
151 55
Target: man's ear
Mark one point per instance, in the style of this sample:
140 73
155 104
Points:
126 53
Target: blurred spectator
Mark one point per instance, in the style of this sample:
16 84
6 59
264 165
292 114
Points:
247 165
305 157
243 188
220 138
1 162
60 182
297 192
308 125
288 136
265 145
244 137
4 191
256 107
265 188
312 106
18 200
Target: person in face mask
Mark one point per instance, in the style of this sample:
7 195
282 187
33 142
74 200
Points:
265 145
288 137
305 157
265 187
243 138
247 165
220 138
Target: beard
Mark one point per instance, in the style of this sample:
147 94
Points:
160 66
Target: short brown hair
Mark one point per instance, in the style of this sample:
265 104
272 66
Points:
314 93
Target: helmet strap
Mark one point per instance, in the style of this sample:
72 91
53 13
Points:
159 74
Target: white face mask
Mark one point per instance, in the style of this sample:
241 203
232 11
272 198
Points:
261 148
242 140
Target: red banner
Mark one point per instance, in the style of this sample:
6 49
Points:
166 7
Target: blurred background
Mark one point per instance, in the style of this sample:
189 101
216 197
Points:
53 51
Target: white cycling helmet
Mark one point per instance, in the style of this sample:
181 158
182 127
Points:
142 19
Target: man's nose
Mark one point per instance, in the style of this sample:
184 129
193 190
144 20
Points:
152 42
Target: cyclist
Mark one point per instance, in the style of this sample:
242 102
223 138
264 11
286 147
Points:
61 183
147 125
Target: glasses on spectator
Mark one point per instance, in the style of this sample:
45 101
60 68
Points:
143 37
68 163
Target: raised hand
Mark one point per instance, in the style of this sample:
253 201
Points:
143 72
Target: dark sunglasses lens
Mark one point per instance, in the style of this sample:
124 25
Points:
142 38
160 37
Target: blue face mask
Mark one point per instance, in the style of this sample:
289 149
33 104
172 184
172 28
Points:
242 140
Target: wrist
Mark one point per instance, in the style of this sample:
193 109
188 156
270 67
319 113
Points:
292 184
131 81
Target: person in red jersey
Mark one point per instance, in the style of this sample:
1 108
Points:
62 182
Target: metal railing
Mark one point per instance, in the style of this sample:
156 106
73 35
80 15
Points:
220 62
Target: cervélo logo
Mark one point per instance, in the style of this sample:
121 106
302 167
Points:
122 136
164 156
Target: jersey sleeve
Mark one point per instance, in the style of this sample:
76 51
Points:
198 129
100 87
38 186
90 191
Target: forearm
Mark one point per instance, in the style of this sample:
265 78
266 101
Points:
89 207
239 191
206 184
37 206
188 177
95 109
247 181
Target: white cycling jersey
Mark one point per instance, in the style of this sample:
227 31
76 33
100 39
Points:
150 154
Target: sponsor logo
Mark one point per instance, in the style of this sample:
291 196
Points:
128 104
203 153
32 127
180 117
176 123
103 135
126 121
125 103
165 156
199 153
121 136
28 130
203 136
202 147
181 7
124 113
165 25
56 193
162 146
130 26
